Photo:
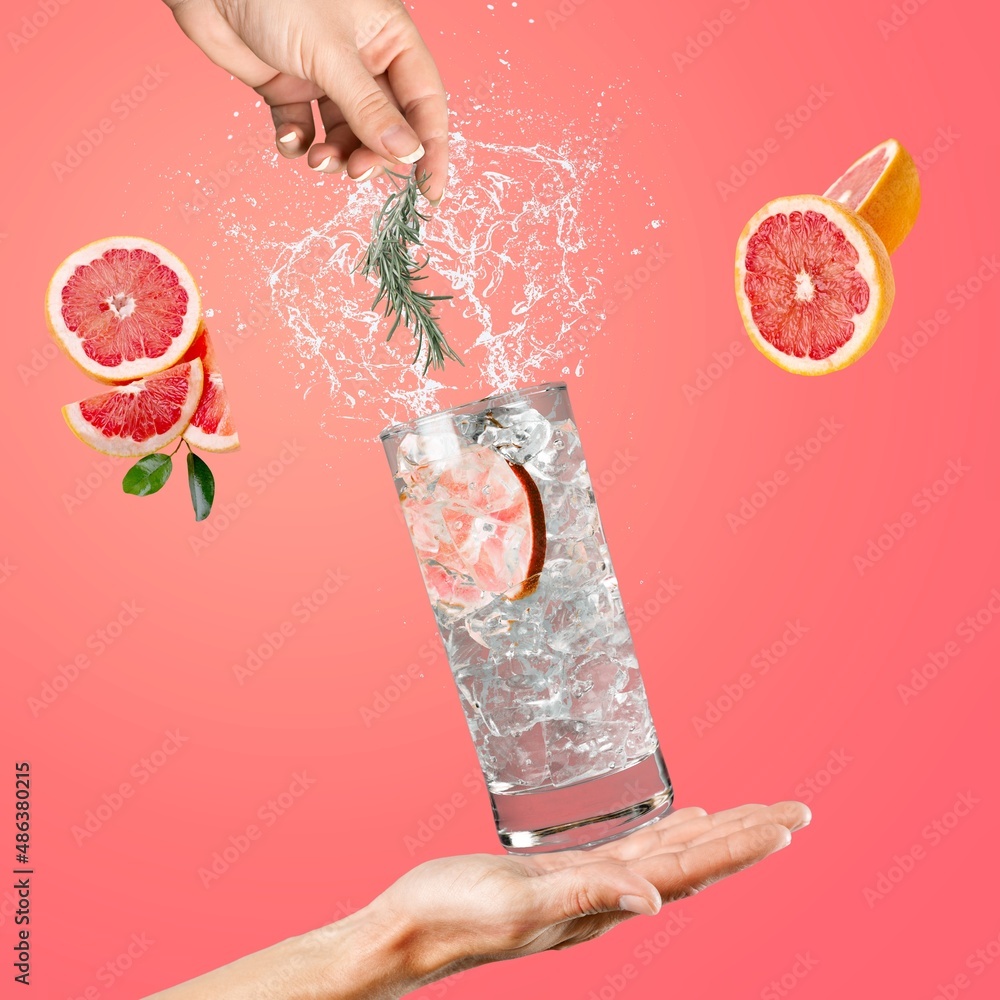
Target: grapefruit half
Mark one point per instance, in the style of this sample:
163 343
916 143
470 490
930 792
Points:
123 308
883 187
138 418
478 527
813 282
212 427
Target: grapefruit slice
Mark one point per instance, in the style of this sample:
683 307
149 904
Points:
883 187
123 308
140 417
813 282
477 525
211 427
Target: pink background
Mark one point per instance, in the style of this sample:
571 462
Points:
832 697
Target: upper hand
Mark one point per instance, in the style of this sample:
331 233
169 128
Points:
379 94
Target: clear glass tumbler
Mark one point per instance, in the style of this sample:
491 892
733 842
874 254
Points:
502 515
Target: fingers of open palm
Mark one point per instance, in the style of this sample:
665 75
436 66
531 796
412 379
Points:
595 887
683 873
417 86
683 833
650 839
786 814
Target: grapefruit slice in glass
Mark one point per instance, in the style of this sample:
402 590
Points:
813 282
123 308
477 525
141 417
883 187
212 427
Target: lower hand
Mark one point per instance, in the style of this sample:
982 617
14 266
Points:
482 908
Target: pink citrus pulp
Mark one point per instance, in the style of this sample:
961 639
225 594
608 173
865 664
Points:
141 417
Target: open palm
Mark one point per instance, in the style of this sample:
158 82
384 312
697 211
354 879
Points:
482 908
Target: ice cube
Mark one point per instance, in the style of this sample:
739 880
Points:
517 432
562 459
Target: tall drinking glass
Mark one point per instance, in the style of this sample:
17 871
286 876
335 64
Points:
503 518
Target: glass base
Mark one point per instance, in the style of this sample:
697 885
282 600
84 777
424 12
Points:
585 814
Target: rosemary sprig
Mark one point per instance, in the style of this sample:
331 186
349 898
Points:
390 258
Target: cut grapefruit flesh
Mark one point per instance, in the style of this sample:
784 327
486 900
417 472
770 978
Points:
477 525
141 417
883 187
212 427
123 308
813 282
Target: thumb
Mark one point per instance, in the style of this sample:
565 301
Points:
599 887
373 118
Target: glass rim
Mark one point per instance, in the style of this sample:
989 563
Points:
467 409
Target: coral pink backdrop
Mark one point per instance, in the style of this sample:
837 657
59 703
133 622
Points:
811 565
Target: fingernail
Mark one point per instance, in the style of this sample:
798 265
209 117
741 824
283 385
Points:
288 137
324 164
437 201
807 820
365 175
397 140
639 904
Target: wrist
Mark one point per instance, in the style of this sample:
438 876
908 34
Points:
378 952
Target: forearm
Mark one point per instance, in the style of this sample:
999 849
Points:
367 955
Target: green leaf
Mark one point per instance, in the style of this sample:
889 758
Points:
148 475
202 484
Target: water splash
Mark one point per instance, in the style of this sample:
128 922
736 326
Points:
508 243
